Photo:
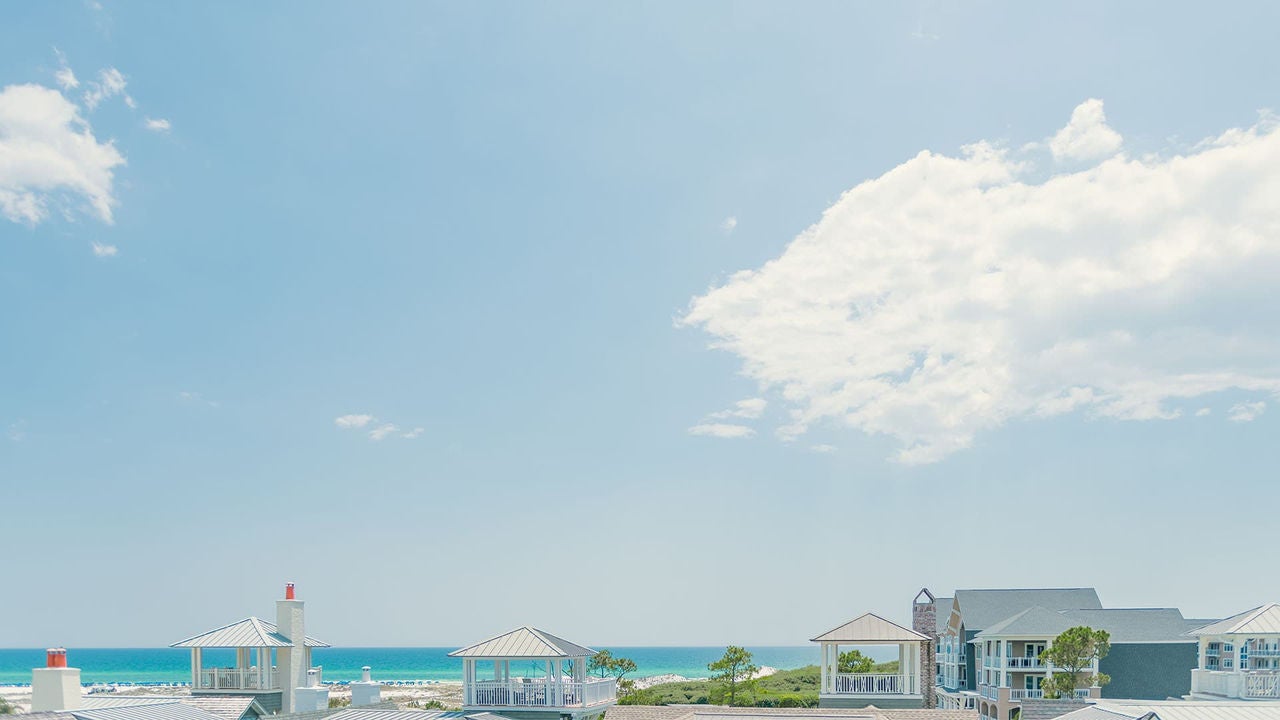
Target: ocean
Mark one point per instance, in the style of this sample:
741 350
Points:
171 665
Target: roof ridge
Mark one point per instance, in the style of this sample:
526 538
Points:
210 632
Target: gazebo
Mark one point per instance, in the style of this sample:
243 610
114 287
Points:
1239 657
534 674
268 663
902 689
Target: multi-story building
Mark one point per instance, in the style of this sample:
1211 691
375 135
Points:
1239 658
971 612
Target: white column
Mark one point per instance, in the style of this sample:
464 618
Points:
195 668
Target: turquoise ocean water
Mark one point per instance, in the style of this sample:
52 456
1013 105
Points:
169 665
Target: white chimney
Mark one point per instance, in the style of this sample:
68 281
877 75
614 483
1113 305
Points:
295 660
55 686
365 692
313 696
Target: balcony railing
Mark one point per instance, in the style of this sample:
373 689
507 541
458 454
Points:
215 679
1262 685
500 693
874 684
1025 663
1020 695
1264 652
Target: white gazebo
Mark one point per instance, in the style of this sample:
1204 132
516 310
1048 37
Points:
1239 657
903 689
531 673
269 662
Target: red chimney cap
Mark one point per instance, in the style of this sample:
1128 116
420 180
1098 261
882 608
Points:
288 591
56 657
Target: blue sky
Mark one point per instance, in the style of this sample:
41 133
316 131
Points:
432 309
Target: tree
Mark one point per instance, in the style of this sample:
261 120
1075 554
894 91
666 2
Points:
1073 654
855 662
605 664
734 671
602 663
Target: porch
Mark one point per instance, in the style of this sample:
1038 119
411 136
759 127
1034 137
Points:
840 688
1250 685
530 670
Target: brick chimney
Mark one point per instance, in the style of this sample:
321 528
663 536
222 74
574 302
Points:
55 686
924 620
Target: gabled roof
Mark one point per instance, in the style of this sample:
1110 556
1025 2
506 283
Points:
942 613
250 632
227 707
870 628
1125 625
980 609
1263 620
524 642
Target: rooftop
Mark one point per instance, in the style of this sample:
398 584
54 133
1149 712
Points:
981 609
1264 620
524 642
870 628
249 632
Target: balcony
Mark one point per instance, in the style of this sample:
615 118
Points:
1020 695
1024 663
522 694
874 684
1243 685
248 679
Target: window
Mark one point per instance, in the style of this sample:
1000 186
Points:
1228 647
1226 663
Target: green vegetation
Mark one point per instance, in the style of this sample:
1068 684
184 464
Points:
606 664
6 708
734 673
1074 652
855 662
785 688
339 702
427 705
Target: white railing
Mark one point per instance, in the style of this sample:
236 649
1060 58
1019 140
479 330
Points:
1025 663
238 679
1262 685
874 684
1019 695
538 693
1264 652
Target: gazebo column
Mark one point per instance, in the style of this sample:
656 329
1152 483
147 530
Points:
195 668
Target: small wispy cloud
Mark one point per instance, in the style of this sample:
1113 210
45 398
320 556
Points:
110 82
416 432
728 224
1246 412
190 396
1203 412
352 421
157 125
101 250
722 430
750 409
824 448
17 431
64 75
383 431
920 35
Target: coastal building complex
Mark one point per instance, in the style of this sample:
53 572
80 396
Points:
989 653
1239 658
528 674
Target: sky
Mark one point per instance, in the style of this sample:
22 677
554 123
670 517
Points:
644 324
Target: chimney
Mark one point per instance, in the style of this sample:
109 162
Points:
924 619
295 660
365 692
313 696
55 687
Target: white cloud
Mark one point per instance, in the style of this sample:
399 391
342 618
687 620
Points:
751 409
414 433
157 125
1246 412
383 431
1087 136
722 430
195 397
47 152
824 448
110 83
953 295
1203 412
352 421
728 224
101 250
64 76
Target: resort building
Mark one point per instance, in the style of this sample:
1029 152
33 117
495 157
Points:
1239 658
992 663
903 689
271 662
528 674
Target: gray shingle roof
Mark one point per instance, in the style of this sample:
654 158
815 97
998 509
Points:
1126 625
983 608
942 613
524 642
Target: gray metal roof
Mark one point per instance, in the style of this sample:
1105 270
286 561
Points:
870 628
1264 620
1126 625
174 710
250 632
980 609
1179 710
524 642
227 707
